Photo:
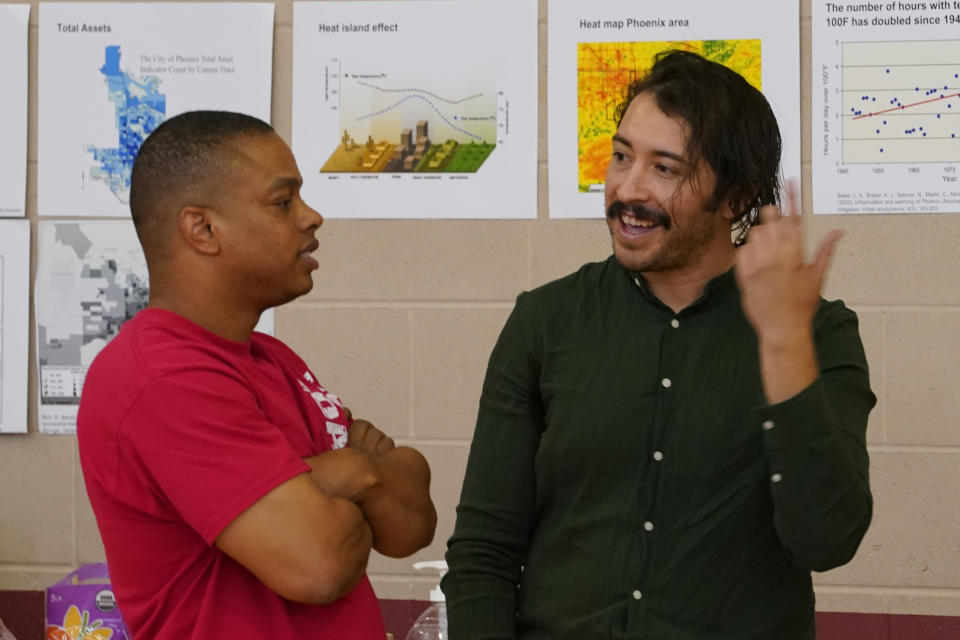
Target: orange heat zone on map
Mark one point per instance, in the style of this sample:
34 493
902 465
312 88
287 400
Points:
605 69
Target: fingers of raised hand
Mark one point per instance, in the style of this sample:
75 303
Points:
779 237
825 252
792 215
792 191
768 214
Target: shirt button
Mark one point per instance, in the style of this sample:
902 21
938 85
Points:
776 477
674 323
767 425
648 526
658 456
637 595
636 281
666 383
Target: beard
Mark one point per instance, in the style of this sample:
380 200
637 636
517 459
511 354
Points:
678 247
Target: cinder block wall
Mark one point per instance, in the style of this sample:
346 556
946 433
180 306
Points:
403 317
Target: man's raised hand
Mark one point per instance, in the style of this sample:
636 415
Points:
780 290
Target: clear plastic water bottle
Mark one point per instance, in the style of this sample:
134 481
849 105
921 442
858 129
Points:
432 623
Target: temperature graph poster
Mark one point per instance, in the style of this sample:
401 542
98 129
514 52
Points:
418 109
596 50
886 107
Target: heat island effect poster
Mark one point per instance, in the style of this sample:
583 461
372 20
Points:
409 110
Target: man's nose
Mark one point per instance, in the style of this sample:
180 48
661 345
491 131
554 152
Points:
634 188
311 217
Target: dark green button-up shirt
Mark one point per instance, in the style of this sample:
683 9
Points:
627 478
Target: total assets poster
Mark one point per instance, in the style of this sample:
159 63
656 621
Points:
110 73
14 21
417 109
597 49
886 107
14 323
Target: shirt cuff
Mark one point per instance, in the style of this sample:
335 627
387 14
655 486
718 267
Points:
796 421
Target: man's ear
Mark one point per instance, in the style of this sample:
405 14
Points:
738 200
729 212
199 230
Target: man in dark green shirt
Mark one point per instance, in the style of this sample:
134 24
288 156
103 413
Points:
669 441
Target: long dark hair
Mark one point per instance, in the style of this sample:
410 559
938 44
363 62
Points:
730 126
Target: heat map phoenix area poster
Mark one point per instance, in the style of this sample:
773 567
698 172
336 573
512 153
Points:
597 49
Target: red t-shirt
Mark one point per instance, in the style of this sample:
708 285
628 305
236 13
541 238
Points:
180 431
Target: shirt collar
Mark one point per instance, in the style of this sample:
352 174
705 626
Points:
717 288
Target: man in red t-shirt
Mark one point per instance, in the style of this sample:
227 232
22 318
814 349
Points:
235 496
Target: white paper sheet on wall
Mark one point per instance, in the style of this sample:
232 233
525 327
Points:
14 323
597 48
886 107
417 109
110 73
14 20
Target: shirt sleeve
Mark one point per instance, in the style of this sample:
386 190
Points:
816 446
201 441
497 505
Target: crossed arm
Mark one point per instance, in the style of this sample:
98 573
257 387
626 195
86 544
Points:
390 485
309 539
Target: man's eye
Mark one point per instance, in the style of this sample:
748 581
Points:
619 156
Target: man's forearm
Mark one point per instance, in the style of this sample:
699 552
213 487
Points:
391 489
816 447
342 473
398 505
818 465
788 363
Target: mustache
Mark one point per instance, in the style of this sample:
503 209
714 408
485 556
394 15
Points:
640 212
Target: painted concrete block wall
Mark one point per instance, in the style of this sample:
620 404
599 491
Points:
404 314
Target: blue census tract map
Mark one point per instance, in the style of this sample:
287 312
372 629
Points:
110 73
140 108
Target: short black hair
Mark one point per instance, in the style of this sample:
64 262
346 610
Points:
179 164
730 126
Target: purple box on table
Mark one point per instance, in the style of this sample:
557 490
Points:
82 605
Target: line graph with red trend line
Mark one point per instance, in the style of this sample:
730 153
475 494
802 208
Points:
901 101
